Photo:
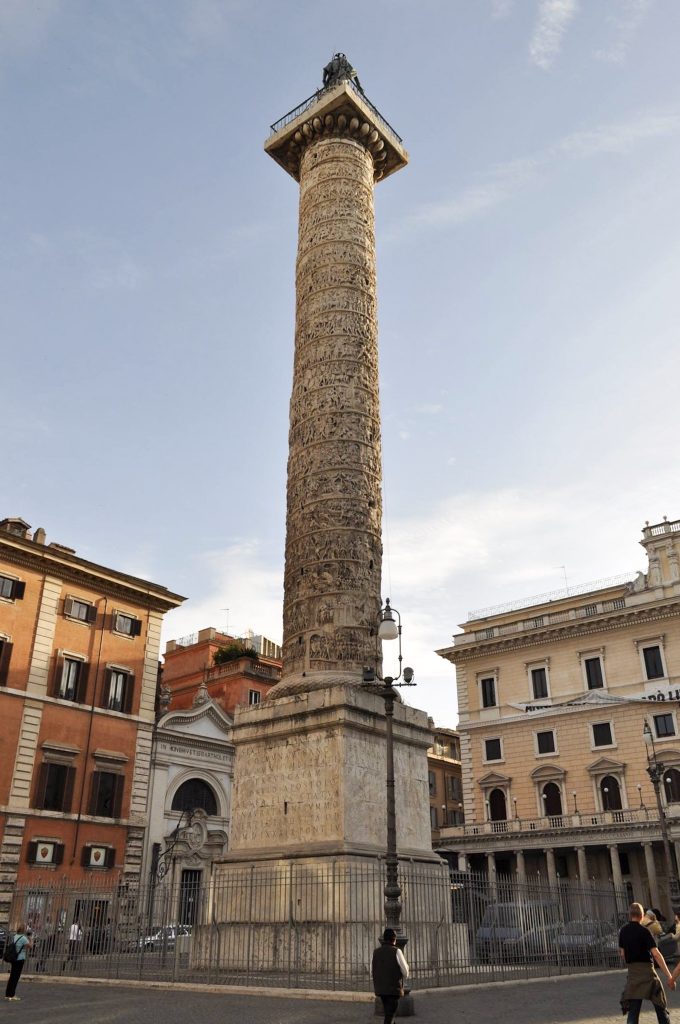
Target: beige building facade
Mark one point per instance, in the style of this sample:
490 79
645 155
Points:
554 694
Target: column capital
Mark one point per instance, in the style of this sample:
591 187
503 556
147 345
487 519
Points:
341 112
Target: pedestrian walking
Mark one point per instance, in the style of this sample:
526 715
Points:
22 943
389 971
638 948
650 922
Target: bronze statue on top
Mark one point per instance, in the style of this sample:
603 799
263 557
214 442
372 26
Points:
339 70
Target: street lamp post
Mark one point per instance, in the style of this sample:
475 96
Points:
655 770
389 629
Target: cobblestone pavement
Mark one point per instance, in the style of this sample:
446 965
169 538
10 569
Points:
580 999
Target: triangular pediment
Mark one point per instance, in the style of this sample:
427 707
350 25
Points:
493 779
207 721
548 771
605 765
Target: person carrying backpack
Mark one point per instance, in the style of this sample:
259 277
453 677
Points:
21 944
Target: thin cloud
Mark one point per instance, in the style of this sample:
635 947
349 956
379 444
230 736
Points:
554 17
241 580
625 24
503 182
501 9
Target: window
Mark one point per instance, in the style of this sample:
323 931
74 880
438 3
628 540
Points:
488 690
545 742
602 734
11 590
83 611
671 785
539 683
118 690
5 655
71 679
45 852
192 794
454 789
98 857
664 726
432 783
594 677
454 817
610 793
106 794
126 624
433 818
493 750
54 789
254 696
653 662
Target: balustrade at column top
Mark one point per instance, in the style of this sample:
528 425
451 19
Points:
340 112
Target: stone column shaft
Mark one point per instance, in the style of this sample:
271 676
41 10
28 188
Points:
582 863
651 874
521 865
552 870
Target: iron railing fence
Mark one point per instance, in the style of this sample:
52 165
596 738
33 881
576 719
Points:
311 100
306 925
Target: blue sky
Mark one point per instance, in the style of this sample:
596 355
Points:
528 267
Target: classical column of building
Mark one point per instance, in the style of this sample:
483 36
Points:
651 874
582 863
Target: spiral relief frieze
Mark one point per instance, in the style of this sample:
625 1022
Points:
333 525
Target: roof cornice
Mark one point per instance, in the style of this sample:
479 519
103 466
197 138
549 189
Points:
47 560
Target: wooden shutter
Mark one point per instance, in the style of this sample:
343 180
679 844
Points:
56 677
85 857
91 614
136 627
58 855
118 795
68 789
32 853
68 606
18 589
106 695
127 695
94 793
81 686
41 785
110 861
5 655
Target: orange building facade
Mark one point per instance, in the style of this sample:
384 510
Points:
79 648
189 663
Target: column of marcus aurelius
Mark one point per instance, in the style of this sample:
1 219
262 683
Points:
310 760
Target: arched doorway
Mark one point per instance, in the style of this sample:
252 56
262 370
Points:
497 806
552 800
610 793
671 785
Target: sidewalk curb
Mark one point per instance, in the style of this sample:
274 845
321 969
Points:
321 995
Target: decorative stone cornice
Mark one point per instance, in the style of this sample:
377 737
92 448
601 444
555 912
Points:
340 112
552 634
69 568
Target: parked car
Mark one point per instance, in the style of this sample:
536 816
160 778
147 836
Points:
165 938
510 932
587 942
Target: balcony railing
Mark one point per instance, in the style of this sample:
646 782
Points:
553 595
243 666
558 822
587 611
660 528
311 100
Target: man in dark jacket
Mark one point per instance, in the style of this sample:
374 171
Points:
389 971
